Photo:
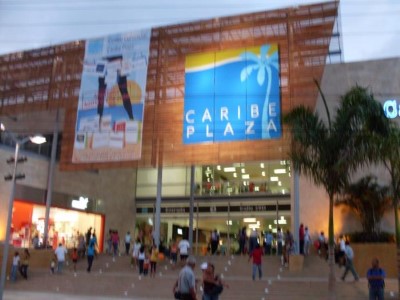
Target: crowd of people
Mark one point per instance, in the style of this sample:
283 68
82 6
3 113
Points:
144 257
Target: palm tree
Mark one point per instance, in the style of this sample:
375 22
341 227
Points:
369 201
268 59
389 149
329 153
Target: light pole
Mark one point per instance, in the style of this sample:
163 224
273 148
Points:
18 143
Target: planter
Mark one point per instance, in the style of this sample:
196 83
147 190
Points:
385 252
296 262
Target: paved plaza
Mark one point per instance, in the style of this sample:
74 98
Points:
116 279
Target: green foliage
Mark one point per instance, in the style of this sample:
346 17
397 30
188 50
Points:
368 200
372 237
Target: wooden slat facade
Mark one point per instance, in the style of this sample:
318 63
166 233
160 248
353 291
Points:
49 78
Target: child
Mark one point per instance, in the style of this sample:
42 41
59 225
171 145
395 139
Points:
135 253
153 260
52 265
15 266
74 257
146 265
141 258
174 253
25 263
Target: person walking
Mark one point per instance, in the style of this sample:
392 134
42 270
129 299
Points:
185 287
25 263
376 281
256 254
349 262
141 258
289 247
214 241
268 242
135 253
184 247
301 238
74 257
279 240
212 284
307 241
242 241
153 260
60 253
15 266
90 255
127 243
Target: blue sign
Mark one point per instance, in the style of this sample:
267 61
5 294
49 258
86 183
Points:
232 95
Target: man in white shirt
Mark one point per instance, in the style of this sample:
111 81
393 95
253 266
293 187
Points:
60 254
349 262
184 247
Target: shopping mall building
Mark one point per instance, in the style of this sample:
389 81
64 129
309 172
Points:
190 120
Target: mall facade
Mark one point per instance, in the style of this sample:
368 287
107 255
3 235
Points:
240 172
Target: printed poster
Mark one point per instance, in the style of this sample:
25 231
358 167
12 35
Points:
111 100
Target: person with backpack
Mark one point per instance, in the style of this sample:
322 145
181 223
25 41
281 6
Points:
376 281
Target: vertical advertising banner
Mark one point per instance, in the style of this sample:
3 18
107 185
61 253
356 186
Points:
111 99
232 95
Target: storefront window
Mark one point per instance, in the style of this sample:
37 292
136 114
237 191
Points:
272 177
65 225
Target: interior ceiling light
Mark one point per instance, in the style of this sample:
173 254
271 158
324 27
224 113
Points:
218 167
280 171
230 169
249 220
254 226
243 171
262 165
234 175
245 176
274 178
263 173
279 183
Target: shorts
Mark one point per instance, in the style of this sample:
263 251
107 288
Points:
174 257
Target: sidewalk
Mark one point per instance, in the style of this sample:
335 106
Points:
115 279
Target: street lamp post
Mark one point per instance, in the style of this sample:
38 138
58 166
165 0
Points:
18 144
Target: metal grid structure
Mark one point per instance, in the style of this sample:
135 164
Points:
49 78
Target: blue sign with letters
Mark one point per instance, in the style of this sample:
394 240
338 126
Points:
232 95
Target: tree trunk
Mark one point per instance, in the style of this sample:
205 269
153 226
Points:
332 277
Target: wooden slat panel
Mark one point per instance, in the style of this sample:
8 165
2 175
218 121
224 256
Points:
51 77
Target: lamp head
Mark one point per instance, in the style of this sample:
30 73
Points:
2 127
38 139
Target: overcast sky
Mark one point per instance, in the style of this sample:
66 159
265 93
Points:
371 28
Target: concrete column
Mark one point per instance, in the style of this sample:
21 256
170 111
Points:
191 208
157 221
49 188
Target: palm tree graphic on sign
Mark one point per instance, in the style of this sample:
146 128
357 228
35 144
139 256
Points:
268 59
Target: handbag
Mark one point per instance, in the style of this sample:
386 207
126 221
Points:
217 289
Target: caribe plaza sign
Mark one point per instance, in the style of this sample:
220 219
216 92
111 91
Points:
232 95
